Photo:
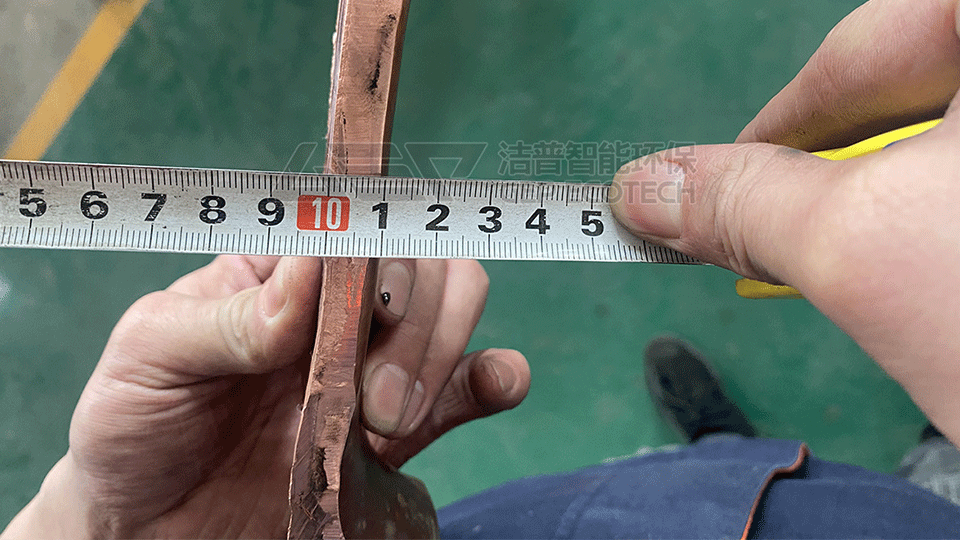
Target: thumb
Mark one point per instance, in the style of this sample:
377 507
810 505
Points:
170 339
484 383
748 207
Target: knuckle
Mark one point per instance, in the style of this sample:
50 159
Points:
135 334
152 303
412 337
462 383
141 316
234 329
830 79
724 225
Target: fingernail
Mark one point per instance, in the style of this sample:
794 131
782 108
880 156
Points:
396 285
647 195
385 397
504 377
275 293
412 411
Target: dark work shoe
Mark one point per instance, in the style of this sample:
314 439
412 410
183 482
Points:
687 392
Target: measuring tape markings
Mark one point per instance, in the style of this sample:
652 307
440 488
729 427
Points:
187 210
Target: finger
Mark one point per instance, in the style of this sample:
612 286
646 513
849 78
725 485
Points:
836 231
483 383
889 64
171 339
750 208
395 286
394 358
463 301
226 275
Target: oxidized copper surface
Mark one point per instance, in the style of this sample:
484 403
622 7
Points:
338 487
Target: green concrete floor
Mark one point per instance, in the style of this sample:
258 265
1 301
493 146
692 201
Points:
241 83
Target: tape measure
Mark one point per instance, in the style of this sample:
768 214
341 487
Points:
163 209
182 210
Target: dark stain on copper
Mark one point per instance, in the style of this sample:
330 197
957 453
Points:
318 375
374 81
318 475
386 30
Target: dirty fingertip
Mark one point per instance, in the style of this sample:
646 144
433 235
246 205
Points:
396 287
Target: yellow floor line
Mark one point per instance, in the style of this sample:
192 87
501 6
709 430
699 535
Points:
75 77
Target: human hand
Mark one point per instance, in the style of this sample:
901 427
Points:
187 426
873 242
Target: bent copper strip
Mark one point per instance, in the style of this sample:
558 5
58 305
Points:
338 488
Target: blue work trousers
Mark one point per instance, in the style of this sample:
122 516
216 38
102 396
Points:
721 487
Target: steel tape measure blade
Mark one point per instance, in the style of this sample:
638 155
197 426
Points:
185 210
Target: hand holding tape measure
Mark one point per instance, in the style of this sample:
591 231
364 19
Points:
749 288
873 242
76 206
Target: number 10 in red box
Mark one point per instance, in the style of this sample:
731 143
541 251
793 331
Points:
321 213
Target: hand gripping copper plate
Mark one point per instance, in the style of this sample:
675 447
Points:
338 487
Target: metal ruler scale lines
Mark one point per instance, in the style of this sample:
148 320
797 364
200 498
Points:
188 210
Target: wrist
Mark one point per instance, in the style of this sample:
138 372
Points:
57 511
